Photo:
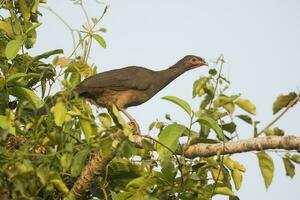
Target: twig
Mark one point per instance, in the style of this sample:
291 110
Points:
293 102
63 21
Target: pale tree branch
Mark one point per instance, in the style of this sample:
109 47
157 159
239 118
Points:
243 145
98 163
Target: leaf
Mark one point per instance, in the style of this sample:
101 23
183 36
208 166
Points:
43 173
295 158
105 120
266 167
246 105
26 12
223 100
66 161
224 191
78 162
229 127
282 101
100 40
13 47
237 178
213 72
276 131
33 27
104 30
289 167
229 107
245 118
24 93
183 104
88 129
60 186
169 136
59 111
211 123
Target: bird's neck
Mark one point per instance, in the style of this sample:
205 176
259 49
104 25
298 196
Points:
168 75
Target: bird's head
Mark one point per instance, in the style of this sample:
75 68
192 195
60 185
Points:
191 62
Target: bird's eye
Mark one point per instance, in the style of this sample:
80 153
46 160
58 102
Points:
194 59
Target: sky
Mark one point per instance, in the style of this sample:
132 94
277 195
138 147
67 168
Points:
259 40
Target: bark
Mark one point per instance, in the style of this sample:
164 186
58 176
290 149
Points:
98 163
94 167
243 145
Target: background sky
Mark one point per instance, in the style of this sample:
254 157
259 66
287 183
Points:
259 39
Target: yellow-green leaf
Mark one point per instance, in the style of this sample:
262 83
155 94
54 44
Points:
266 167
60 186
246 105
289 167
100 40
89 130
237 178
105 120
211 123
170 138
59 111
78 162
26 12
183 104
13 47
282 101
28 94
224 191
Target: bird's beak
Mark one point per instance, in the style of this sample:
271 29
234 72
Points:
201 63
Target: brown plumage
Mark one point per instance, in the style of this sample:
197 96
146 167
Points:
132 86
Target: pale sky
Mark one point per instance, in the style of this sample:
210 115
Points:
259 39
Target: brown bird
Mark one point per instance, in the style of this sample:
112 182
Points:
132 86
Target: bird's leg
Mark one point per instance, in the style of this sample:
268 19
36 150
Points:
133 121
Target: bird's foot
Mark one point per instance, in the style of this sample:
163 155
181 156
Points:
136 127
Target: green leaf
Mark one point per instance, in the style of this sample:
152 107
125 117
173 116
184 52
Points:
229 127
223 100
105 120
224 191
289 167
100 40
276 131
78 162
295 158
266 167
89 130
33 27
25 10
246 105
237 178
60 186
282 101
43 173
59 111
170 138
13 47
211 123
24 93
66 161
213 72
245 118
183 104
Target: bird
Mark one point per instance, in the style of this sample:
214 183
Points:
132 85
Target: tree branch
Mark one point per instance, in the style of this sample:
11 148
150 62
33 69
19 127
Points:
244 145
94 167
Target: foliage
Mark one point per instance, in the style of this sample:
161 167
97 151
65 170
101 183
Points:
46 140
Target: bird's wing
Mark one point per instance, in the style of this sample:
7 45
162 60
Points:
120 79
